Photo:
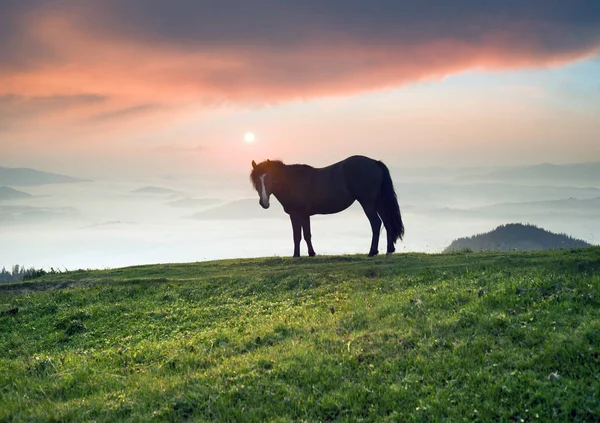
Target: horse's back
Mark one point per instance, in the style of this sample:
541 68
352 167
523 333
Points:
363 177
361 163
334 188
360 166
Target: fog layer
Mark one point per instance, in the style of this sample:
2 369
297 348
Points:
100 224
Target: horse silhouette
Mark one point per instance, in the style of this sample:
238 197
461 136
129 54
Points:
304 191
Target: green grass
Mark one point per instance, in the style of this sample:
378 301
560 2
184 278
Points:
410 337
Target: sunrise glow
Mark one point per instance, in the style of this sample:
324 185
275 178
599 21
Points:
76 97
184 151
249 137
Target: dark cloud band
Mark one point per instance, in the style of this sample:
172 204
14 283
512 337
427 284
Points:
273 50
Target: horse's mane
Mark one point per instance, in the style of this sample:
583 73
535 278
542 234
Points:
260 169
270 164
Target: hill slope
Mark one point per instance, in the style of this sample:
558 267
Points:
412 337
7 193
571 208
587 173
516 236
154 190
246 208
26 176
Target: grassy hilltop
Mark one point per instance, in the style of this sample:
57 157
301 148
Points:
411 337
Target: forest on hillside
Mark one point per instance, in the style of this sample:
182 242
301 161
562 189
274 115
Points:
516 236
19 273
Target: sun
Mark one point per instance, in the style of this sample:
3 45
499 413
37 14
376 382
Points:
249 137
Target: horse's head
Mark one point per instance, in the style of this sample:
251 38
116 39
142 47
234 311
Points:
262 179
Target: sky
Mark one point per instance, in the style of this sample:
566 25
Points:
141 87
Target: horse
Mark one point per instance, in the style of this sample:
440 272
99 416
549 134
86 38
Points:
304 191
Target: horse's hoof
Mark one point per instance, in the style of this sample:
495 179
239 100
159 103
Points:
373 253
391 252
296 256
312 254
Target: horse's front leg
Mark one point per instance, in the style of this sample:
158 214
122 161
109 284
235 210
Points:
296 227
307 235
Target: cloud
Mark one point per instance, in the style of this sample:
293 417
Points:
126 112
15 109
16 105
141 55
180 149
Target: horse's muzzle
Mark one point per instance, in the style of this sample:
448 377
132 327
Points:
264 206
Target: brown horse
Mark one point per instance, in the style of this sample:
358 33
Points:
304 191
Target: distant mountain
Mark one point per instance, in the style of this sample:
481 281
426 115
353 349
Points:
29 214
154 190
570 206
437 173
194 202
545 172
109 223
248 208
242 209
578 171
29 177
7 193
516 236
468 195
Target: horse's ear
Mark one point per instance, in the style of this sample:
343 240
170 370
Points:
253 164
268 161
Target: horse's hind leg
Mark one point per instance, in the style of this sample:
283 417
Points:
385 216
375 222
296 227
307 235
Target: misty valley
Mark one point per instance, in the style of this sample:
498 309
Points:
49 220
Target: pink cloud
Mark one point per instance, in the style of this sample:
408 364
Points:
148 67
131 71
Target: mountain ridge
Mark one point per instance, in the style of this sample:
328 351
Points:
515 236
7 193
24 176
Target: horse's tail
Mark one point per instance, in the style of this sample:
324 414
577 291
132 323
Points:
389 203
